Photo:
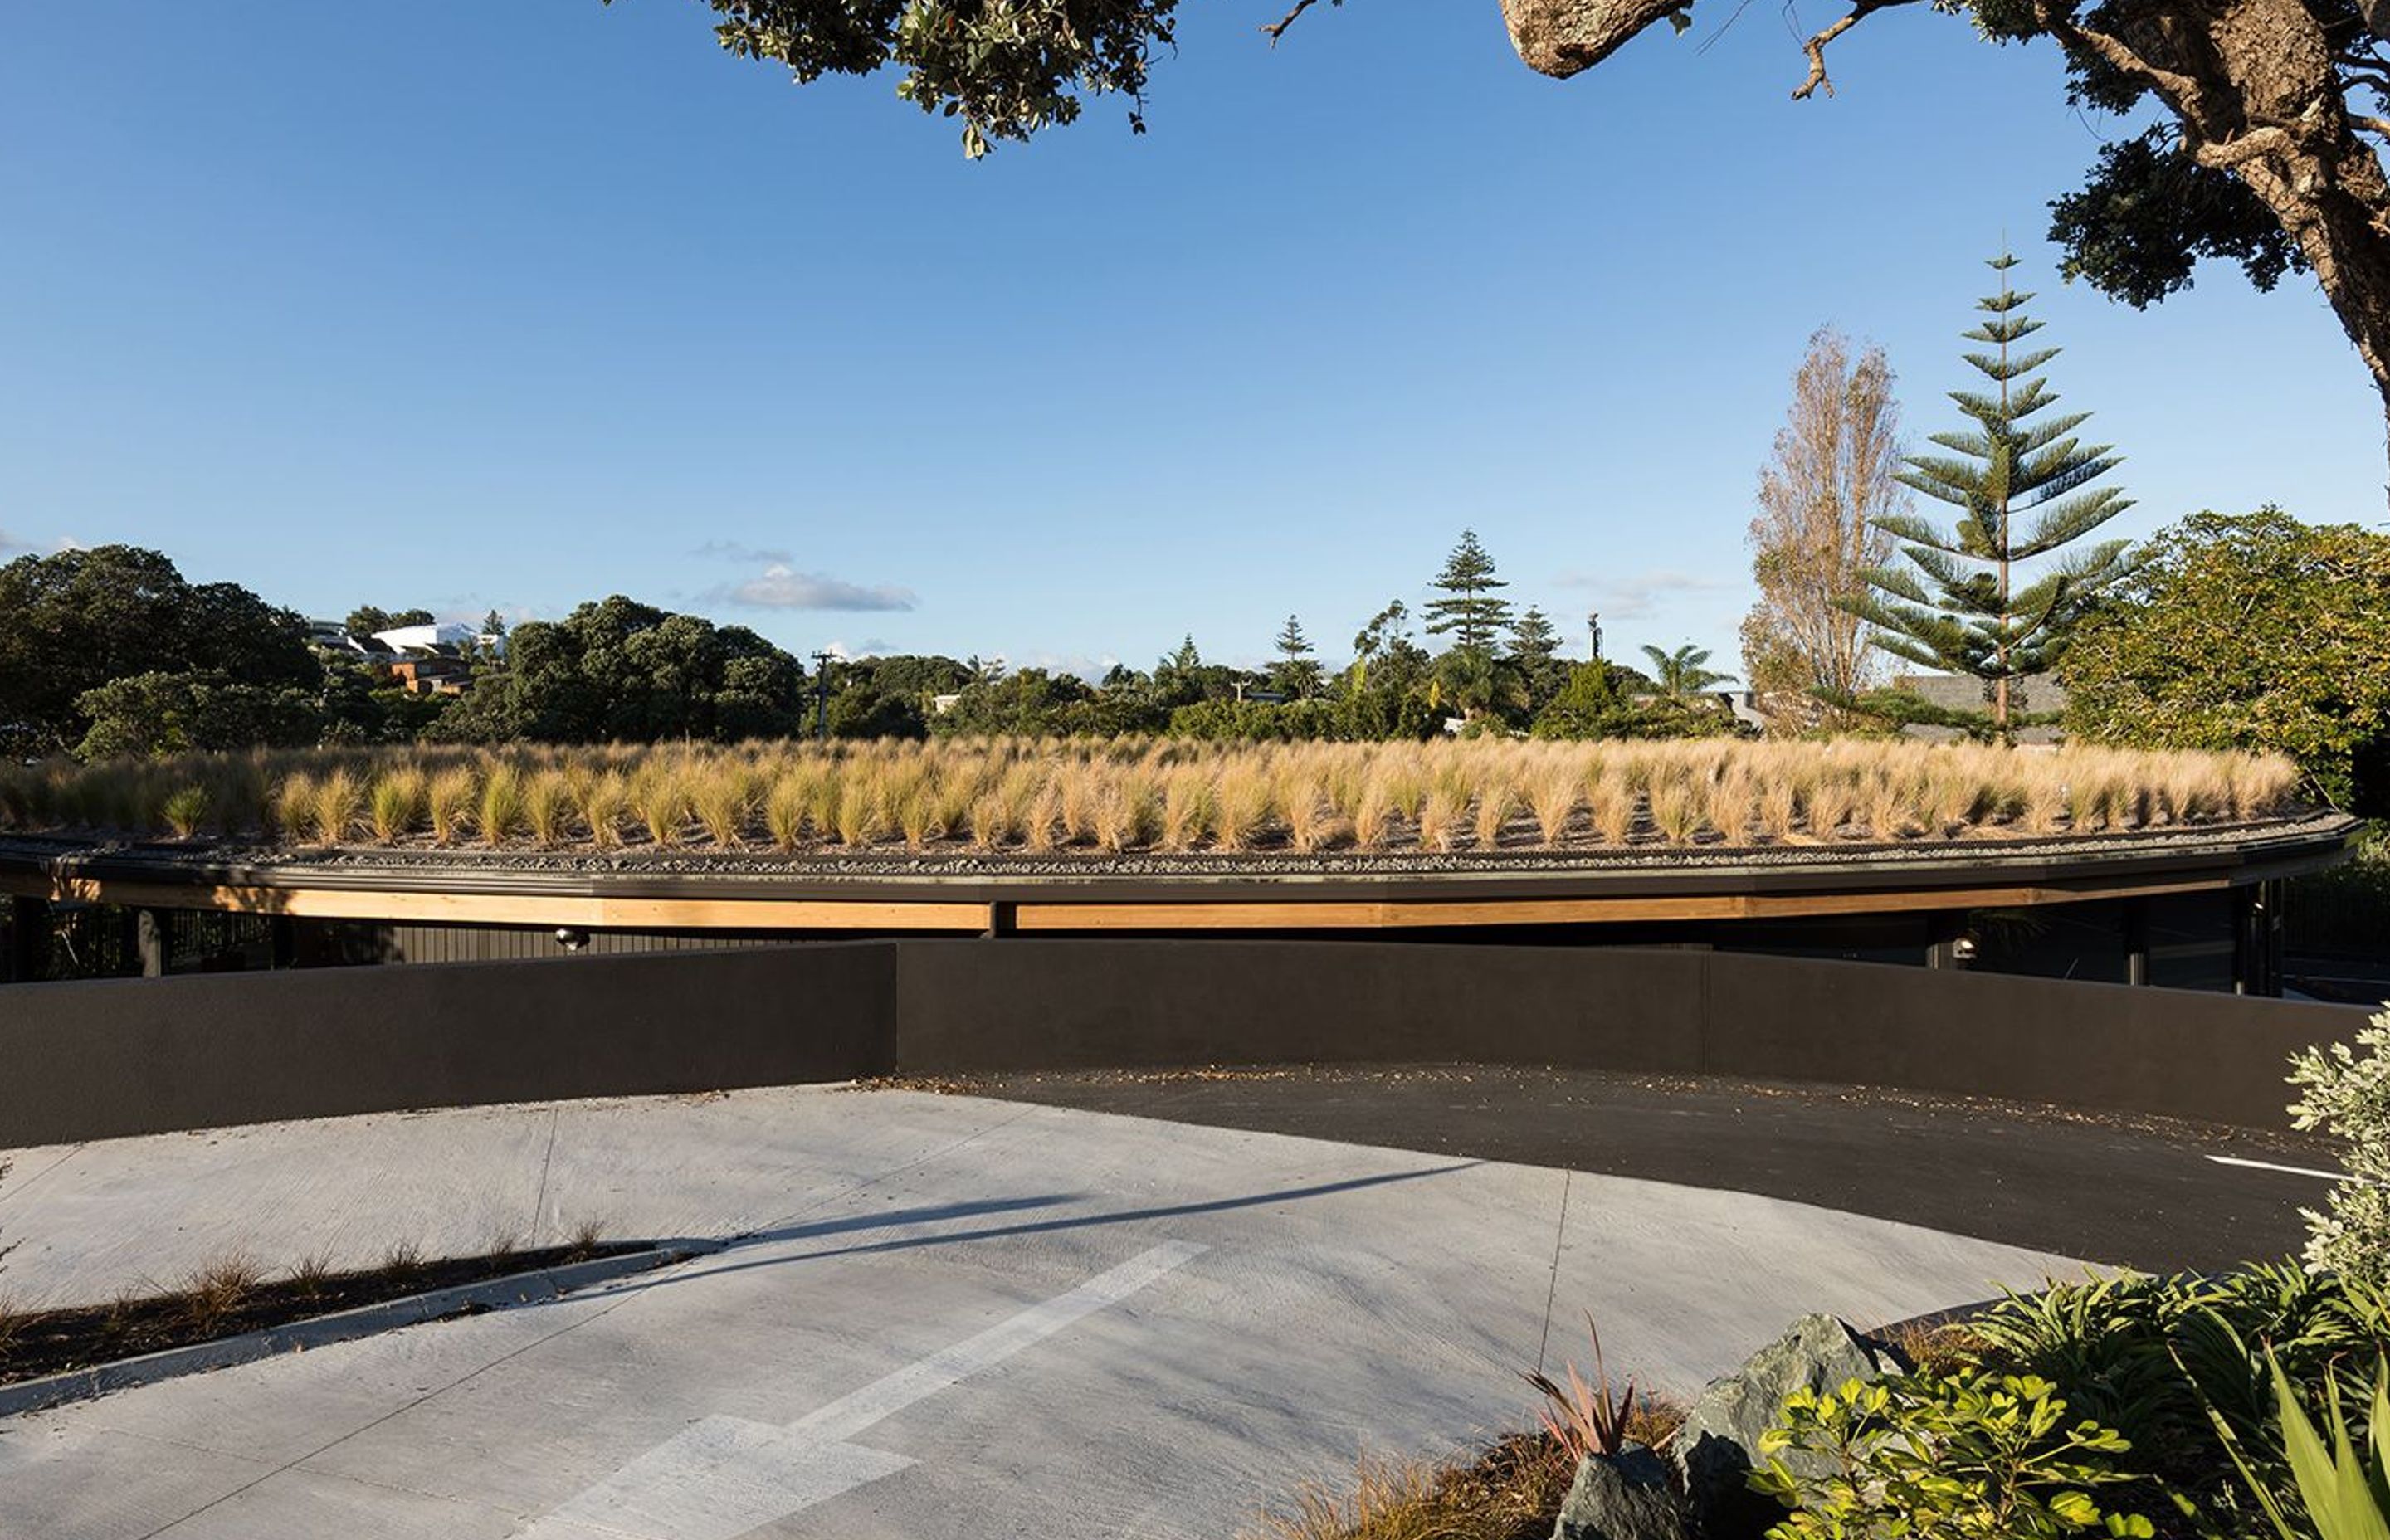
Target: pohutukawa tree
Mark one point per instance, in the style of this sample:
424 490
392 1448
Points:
2274 109
1958 605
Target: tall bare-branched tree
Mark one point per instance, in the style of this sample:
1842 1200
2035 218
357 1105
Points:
1833 475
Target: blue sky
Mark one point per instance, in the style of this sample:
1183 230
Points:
518 304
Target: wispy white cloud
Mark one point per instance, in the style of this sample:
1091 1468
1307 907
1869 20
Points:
1633 596
731 550
780 586
870 647
1090 667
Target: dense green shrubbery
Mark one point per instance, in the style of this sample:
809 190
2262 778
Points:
2114 1406
2345 1092
2345 908
1600 700
2255 632
1974 1453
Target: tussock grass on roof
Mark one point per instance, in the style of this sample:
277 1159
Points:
1137 795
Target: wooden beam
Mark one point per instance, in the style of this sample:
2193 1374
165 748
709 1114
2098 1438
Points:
1027 914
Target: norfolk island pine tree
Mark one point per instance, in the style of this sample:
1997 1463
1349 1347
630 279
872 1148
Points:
1955 605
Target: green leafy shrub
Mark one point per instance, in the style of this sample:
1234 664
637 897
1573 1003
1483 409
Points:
2162 1360
2345 1093
2338 1492
1975 1453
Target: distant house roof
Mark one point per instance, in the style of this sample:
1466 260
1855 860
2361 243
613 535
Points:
428 638
2040 692
2036 694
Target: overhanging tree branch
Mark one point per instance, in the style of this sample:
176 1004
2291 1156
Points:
1816 47
1277 28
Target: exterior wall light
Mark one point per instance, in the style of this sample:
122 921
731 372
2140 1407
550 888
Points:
571 939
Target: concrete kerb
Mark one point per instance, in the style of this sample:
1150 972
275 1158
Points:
533 1288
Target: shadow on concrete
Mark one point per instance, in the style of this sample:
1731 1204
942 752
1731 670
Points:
796 1230
715 1267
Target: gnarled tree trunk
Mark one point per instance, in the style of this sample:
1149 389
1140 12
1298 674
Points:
2254 83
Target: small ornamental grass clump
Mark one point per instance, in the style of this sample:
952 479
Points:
395 804
339 800
448 801
2345 1092
505 804
185 809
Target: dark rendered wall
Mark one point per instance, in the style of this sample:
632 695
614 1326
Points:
108 1057
114 1057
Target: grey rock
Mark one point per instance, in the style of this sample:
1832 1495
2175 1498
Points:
1628 1497
1719 1446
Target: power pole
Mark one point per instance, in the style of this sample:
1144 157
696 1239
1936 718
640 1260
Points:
1593 623
821 696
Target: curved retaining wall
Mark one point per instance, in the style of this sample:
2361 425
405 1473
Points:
119 1057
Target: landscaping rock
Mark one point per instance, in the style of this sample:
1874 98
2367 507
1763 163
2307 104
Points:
1630 1497
1719 1446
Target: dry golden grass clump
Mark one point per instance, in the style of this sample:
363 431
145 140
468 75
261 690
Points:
1140 794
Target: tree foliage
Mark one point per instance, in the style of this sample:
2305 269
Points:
1834 473
160 713
1296 673
1958 604
1005 71
72 622
366 620
2345 1093
2249 631
1684 672
617 669
1471 612
1605 699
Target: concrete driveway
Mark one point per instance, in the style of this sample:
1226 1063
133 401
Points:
950 1315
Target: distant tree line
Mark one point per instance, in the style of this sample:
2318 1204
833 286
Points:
111 651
